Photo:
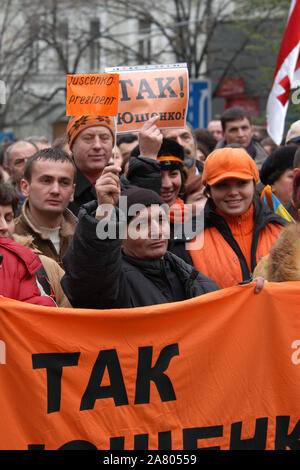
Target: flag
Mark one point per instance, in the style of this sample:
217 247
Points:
286 76
274 204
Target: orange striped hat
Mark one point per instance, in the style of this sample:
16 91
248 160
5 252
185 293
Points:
78 123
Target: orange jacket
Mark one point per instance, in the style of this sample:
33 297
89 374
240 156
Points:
228 250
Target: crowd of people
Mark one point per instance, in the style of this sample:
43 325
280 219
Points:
100 220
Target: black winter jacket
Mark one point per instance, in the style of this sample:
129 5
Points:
98 274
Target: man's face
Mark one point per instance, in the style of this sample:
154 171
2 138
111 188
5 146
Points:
215 128
92 150
184 137
7 224
238 132
18 156
147 234
51 187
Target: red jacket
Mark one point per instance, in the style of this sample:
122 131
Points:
17 274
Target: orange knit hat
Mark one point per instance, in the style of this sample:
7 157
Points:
229 163
79 123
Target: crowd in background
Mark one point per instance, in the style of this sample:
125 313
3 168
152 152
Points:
223 202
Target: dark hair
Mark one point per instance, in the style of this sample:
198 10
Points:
126 138
234 114
205 141
296 162
53 154
8 196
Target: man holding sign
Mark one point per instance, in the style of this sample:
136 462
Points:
91 140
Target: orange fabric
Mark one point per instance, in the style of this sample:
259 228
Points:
242 229
92 94
169 158
218 261
177 212
229 163
228 364
78 123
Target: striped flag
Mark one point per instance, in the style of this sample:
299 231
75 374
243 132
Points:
286 76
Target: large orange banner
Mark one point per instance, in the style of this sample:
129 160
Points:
220 371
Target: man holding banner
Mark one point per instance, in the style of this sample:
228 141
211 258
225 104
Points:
106 268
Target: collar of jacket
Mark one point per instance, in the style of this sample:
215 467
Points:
29 258
69 221
83 184
156 267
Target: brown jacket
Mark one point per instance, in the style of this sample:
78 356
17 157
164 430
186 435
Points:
25 225
282 264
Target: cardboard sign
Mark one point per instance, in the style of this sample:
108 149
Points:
145 91
218 371
92 95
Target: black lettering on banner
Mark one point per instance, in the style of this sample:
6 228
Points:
141 441
54 363
141 117
116 390
125 120
166 87
191 436
146 373
117 443
124 84
145 88
165 440
78 445
258 442
283 439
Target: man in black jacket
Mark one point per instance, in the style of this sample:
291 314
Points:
118 257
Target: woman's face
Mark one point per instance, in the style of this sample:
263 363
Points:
283 187
233 196
170 185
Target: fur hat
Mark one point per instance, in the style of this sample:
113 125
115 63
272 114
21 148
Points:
277 163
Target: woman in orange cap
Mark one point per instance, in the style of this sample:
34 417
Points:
239 229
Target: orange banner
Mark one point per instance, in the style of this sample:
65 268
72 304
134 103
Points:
145 92
92 95
219 371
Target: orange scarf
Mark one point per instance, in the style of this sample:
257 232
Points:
177 212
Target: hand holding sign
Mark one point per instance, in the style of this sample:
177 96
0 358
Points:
108 189
150 139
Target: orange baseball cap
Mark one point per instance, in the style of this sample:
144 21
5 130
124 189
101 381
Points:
229 163
79 123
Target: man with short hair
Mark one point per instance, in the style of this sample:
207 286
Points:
91 140
105 269
215 128
17 155
126 143
237 129
48 185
